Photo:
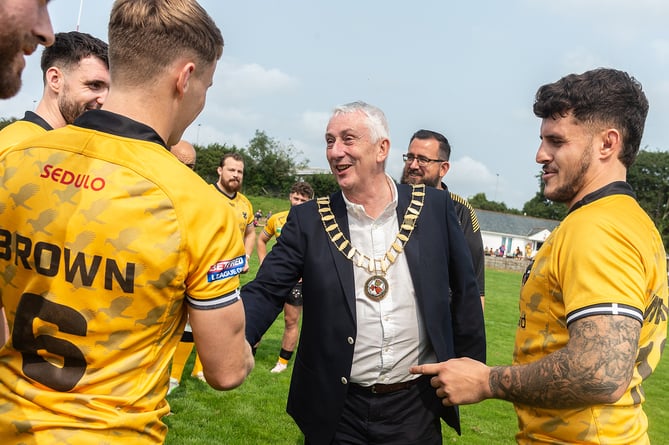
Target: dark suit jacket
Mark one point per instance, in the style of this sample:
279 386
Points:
435 252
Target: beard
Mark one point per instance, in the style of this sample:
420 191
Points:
231 187
70 109
11 67
410 176
573 181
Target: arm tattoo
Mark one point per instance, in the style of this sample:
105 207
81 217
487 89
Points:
597 362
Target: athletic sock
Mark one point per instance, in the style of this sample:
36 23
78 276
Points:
284 356
180 358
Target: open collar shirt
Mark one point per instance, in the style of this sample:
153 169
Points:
391 336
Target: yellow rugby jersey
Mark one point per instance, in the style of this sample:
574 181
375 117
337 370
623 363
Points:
30 126
275 223
606 257
241 206
101 235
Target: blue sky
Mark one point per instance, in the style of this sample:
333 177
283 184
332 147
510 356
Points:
466 69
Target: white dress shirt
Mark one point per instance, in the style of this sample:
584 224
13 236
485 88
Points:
391 336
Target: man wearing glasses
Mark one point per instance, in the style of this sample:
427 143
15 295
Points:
427 163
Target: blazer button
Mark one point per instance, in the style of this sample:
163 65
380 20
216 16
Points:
350 340
344 380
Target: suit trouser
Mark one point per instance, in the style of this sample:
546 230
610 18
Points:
405 417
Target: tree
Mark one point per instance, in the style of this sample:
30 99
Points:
271 167
541 207
323 184
4 122
649 177
480 201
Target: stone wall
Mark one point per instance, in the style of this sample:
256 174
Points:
503 263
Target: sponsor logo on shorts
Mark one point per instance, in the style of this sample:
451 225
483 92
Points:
226 269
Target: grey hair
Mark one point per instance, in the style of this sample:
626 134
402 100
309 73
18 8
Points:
376 120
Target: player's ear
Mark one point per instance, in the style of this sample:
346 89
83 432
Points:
184 77
53 79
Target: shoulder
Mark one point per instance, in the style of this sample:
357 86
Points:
18 132
277 217
459 201
241 197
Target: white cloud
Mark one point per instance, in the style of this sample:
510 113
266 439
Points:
314 123
580 59
247 80
660 49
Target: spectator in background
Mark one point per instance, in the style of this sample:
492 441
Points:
427 162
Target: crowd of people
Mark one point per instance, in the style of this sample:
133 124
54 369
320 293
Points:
112 275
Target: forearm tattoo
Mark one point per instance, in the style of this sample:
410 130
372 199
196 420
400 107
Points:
598 360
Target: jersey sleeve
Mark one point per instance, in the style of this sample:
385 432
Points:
216 242
592 254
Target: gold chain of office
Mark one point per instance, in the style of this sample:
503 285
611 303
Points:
376 287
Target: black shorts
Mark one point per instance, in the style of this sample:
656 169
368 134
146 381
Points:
295 296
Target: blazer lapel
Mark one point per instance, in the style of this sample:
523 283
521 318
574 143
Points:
411 249
343 266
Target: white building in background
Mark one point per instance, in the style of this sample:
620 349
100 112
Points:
513 231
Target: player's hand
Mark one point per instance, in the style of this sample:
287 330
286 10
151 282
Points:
459 381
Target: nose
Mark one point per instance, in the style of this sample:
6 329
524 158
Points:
336 149
43 29
542 155
102 97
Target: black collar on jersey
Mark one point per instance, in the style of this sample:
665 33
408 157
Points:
615 188
37 120
223 193
108 122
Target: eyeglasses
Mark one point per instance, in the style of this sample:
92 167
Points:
422 160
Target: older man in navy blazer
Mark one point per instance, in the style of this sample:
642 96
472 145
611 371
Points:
376 260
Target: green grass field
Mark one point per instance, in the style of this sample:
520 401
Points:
254 414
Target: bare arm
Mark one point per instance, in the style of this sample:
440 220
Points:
595 367
219 337
261 247
249 244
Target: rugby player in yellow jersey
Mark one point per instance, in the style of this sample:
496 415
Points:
300 192
230 178
593 305
104 254
75 72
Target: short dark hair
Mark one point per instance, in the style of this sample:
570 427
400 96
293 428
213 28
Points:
234 155
303 188
70 48
444 146
601 96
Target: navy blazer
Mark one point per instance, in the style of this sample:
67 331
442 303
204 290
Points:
438 259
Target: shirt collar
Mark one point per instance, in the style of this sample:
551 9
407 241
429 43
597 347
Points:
37 120
223 193
614 188
358 210
116 124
